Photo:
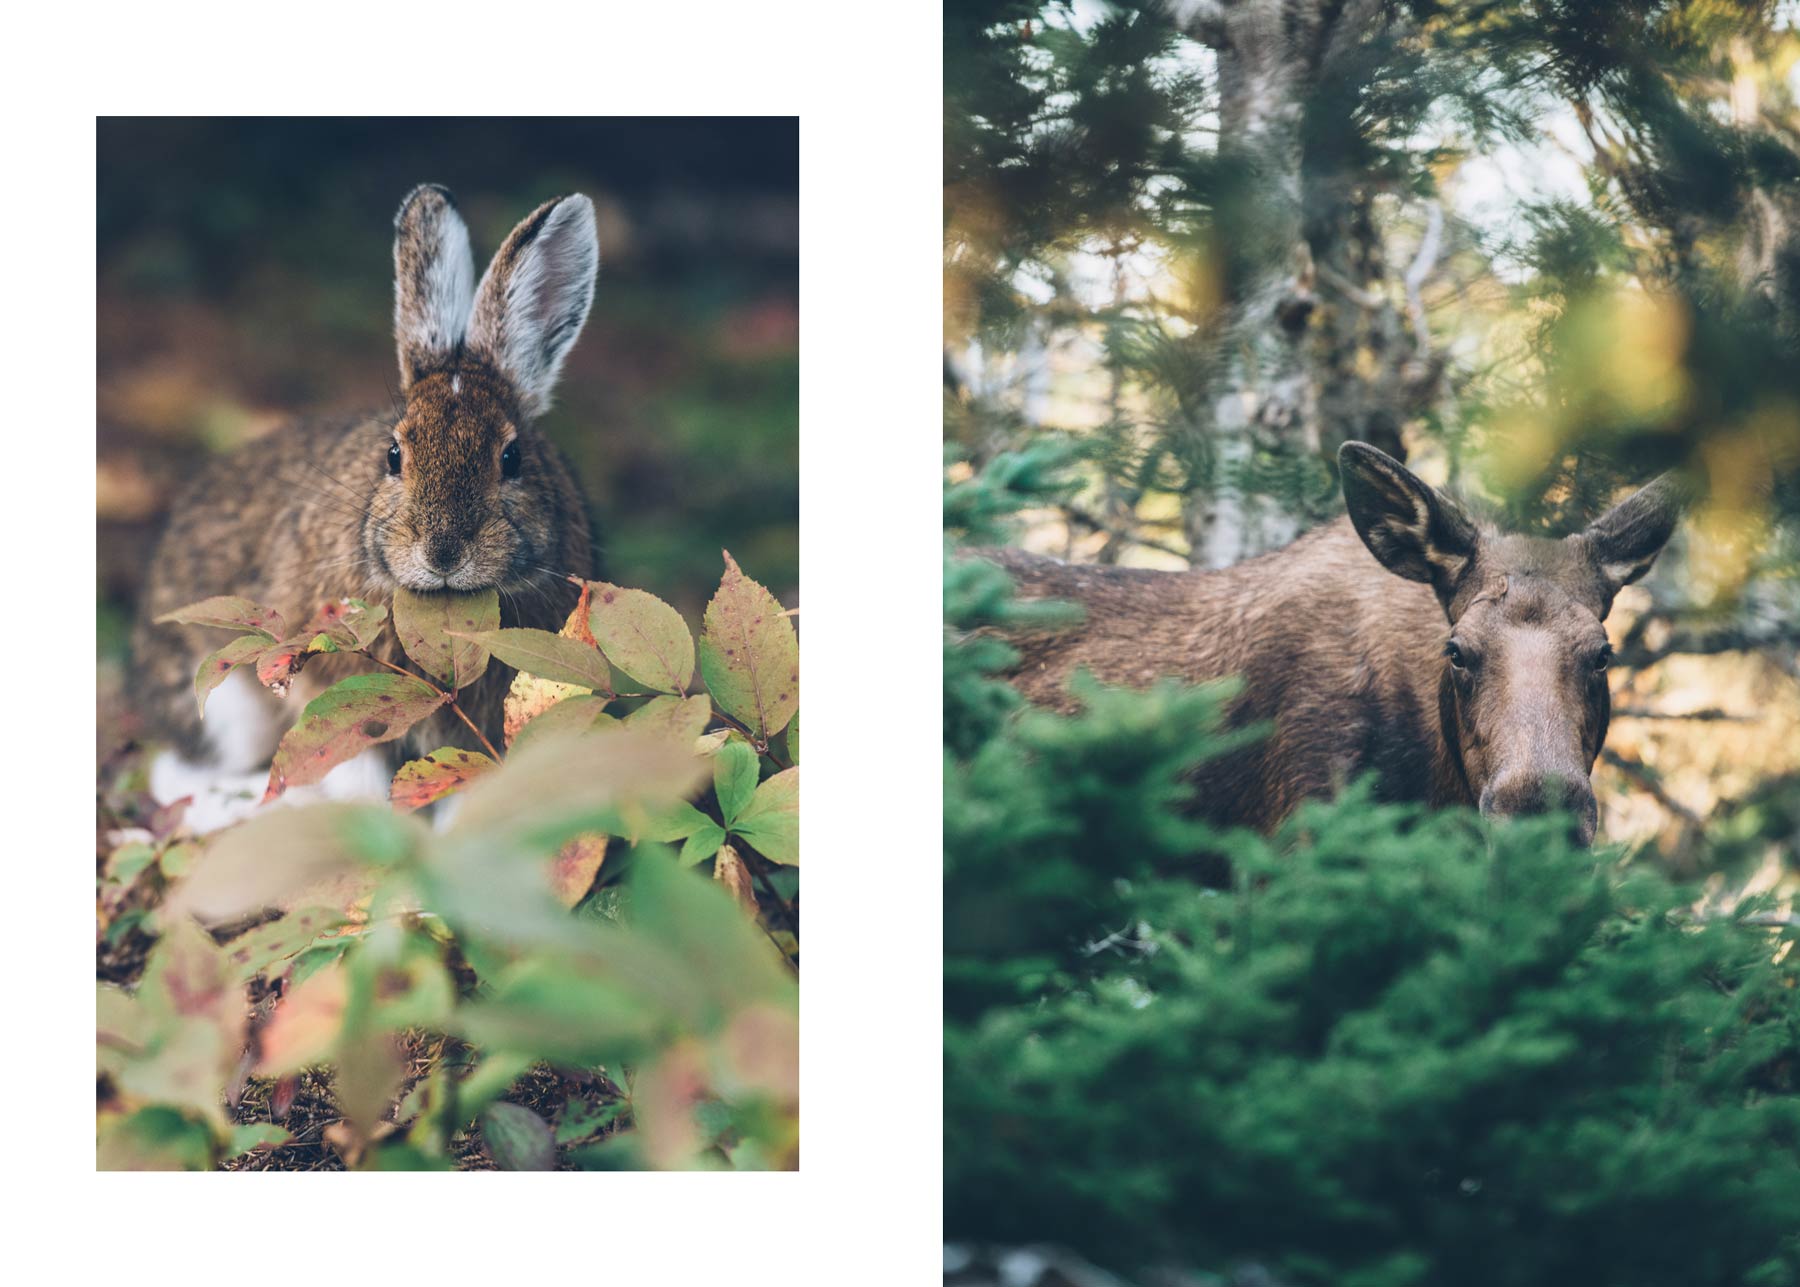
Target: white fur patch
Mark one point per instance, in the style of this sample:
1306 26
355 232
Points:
242 725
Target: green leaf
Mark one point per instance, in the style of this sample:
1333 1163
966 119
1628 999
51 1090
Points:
274 944
793 739
438 632
702 844
548 656
251 1135
642 636
749 655
772 821
735 770
345 720
157 1138
677 822
217 665
420 782
518 1138
230 613
680 718
581 1119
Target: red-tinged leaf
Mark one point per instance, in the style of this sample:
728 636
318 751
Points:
351 623
749 655
424 622
277 666
305 1026
729 871
548 656
681 718
230 613
576 864
281 1099
581 713
345 720
577 627
420 782
771 821
347 625
518 1138
642 636
213 670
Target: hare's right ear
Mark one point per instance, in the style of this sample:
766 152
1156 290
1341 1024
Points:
434 281
535 296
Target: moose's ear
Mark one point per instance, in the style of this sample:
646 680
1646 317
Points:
1624 541
434 280
535 296
1413 530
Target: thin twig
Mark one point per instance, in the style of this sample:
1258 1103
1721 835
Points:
460 713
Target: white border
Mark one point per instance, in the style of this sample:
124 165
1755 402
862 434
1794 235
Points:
865 80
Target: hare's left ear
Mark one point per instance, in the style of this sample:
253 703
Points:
535 296
434 281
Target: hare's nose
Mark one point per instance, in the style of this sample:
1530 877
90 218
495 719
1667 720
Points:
444 553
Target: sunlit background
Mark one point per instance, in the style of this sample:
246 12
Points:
1543 301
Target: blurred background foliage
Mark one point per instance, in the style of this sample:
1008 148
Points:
1540 251
246 277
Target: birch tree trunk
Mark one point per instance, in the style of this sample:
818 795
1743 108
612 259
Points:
1310 347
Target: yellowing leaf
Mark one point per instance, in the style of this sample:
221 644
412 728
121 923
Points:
729 871
772 820
642 636
749 655
420 782
437 631
529 697
345 720
581 713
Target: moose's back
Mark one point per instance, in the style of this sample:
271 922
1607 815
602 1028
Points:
1341 659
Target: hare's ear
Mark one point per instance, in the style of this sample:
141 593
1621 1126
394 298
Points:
535 296
434 280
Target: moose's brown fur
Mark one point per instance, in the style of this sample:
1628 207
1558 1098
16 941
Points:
1467 670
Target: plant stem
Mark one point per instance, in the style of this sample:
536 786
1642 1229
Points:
450 699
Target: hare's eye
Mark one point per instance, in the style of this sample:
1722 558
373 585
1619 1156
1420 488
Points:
510 460
393 458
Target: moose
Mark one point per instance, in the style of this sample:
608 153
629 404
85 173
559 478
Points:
1462 664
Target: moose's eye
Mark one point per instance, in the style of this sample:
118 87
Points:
1454 652
393 458
510 460
1603 659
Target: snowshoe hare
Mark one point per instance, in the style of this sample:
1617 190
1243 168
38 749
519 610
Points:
454 491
